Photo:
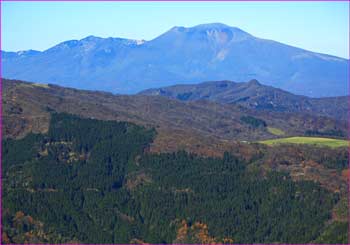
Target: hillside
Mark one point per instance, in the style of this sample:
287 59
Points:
91 181
180 55
334 143
151 169
26 108
254 95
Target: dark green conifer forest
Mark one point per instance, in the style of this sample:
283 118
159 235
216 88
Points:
94 181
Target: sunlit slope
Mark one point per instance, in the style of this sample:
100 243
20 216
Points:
308 140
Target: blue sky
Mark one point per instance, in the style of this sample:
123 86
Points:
316 26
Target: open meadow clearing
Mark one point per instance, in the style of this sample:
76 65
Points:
308 140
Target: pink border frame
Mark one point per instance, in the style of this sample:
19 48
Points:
165 1
174 0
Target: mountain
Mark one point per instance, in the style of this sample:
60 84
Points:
254 95
180 56
72 63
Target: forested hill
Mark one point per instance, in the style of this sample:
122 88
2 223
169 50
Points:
254 95
203 127
91 181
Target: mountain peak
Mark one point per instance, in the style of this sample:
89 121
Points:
91 38
27 52
208 27
215 32
215 26
254 82
211 26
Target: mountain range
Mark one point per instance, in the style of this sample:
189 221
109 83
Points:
207 52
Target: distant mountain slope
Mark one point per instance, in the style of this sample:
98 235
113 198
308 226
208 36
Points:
181 55
254 95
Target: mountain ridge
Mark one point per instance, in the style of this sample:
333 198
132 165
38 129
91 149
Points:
254 95
180 55
26 104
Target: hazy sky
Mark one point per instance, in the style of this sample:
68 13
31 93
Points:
316 26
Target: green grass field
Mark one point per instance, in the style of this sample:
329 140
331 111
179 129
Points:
275 131
308 140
